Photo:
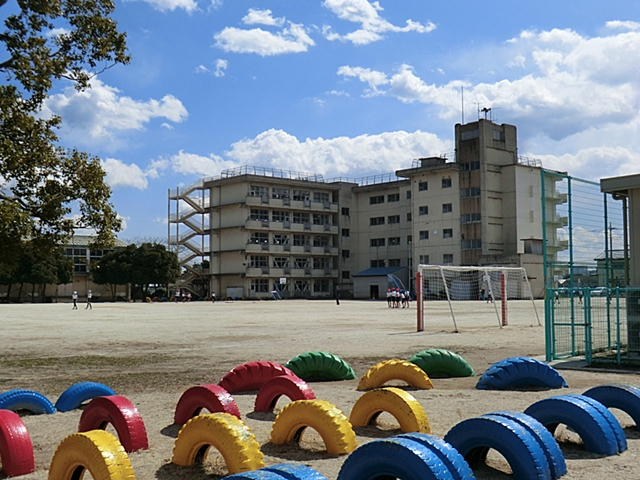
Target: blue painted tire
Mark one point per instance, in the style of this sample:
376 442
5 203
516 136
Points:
292 471
455 462
475 436
260 474
78 393
393 458
609 417
19 399
520 372
620 396
545 439
594 430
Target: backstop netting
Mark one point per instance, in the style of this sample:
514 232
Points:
459 286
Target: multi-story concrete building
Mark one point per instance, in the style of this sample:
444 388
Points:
268 232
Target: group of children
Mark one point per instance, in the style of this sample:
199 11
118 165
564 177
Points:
183 296
397 297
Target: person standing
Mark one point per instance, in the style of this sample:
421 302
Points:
89 306
74 297
213 296
337 295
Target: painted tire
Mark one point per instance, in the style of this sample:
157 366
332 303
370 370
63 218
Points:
256 475
402 405
544 438
210 396
393 458
16 449
97 451
441 363
324 417
26 400
290 385
77 394
251 376
388 370
620 396
613 422
320 367
227 434
594 430
520 372
122 414
292 471
475 436
457 465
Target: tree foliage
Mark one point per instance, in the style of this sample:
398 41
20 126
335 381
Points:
41 182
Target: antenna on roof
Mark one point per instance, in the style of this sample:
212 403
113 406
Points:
462 100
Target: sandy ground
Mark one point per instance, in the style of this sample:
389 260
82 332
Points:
151 353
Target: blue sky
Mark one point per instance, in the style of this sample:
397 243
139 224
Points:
351 88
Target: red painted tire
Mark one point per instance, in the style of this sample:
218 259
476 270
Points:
122 414
251 376
290 385
212 397
16 449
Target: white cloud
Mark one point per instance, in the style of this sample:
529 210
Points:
623 25
191 163
372 25
202 69
120 174
262 17
171 5
155 167
221 66
100 111
292 39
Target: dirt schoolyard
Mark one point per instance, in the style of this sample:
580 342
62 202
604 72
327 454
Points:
151 353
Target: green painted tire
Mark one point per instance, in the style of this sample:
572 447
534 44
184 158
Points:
320 367
442 363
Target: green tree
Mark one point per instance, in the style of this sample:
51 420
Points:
41 182
115 268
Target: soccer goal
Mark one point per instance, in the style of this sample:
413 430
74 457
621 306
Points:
467 284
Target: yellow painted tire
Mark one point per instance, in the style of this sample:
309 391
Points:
227 434
402 405
97 451
324 417
388 370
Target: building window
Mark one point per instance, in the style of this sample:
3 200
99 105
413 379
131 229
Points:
498 136
393 219
533 246
422 186
378 264
280 216
424 234
321 286
300 240
346 274
376 221
394 262
320 197
393 197
259 237
302 262
301 195
447 208
470 192
345 211
376 242
257 191
260 285
409 217
258 261
447 259
345 232
320 219
280 239
346 253
394 241
302 285
300 217
408 194
320 241
471 244
409 239
280 262
280 192
259 214
424 259
423 210
470 218
446 183
321 262
447 233
376 200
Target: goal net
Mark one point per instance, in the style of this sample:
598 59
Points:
463 287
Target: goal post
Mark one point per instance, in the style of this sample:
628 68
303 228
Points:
458 284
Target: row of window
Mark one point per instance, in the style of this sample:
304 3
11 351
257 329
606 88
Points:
282 193
377 199
447 259
294 217
262 285
259 261
446 233
299 240
393 241
391 262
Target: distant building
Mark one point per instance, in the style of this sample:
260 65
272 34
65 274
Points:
262 229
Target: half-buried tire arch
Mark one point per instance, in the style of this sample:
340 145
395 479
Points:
320 367
251 376
20 399
77 394
289 385
122 414
474 437
292 471
453 460
520 372
594 430
224 432
394 457
97 451
618 395
210 396
388 370
324 417
16 449
442 363
400 404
